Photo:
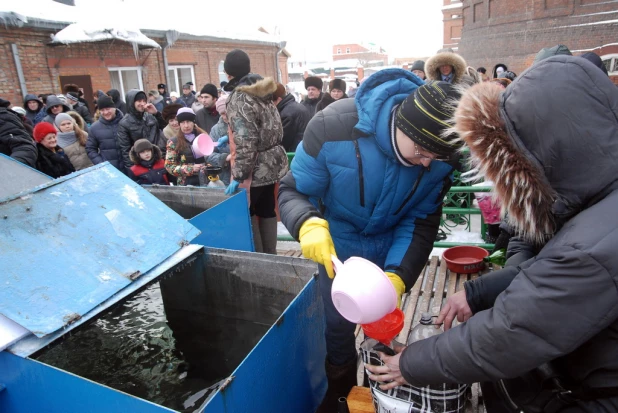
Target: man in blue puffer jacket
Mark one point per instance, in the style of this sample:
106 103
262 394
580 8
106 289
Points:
368 180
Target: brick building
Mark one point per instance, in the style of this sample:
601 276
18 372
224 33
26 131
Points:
46 67
363 53
513 32
453 23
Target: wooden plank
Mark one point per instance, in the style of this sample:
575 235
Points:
427 290
439 293
360 400
475 389
452 283
410 307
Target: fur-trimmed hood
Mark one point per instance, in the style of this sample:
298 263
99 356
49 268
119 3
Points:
262 88
432 66
549 142
156 155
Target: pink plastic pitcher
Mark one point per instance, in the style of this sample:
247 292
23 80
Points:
361 292
203 145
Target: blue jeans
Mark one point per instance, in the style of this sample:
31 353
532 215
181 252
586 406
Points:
339 334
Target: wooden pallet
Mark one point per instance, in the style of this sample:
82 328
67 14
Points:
435 284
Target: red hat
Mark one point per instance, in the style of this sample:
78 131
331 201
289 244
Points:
42 129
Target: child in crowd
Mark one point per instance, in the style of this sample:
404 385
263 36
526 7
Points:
149 168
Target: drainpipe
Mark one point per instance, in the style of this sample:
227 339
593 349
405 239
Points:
280 47
165 67
20 72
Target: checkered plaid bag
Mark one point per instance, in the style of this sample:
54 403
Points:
445 398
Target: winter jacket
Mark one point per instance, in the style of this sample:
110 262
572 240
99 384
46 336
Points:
83 112
52 101
54 164
206 118
159 103
188 100
14 140
102 144
294 118
34 116
556 174
74 150
120 104
148 173
376 207
326 100
433 64
137 125
180 163
219 130
311 104
257 130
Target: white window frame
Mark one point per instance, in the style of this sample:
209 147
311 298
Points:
123 92
175 68
614 57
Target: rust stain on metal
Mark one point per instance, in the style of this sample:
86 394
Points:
71 318
133 276
226 383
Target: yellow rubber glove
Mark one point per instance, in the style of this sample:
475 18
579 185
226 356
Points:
317 244
399 285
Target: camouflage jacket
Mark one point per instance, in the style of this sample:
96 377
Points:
257 131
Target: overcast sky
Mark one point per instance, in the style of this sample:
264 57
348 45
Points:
311 28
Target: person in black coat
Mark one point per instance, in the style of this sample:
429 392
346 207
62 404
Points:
336 91
294 118
14 139
314 86
102 143
51 158
118 102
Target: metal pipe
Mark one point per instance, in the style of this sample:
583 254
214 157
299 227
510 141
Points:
166 69
20 72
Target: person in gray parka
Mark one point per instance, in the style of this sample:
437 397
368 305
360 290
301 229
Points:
54 106
549 342
142 121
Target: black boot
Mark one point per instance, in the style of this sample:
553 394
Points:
340 379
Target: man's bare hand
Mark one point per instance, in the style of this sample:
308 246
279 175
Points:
456 306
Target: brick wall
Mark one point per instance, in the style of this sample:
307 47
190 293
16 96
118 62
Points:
505 31
43 64
453 22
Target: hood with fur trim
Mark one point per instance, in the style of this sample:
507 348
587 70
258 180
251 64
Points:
156 155
262 88
432 67
549 142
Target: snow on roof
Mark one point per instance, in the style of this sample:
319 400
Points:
79 32
118 17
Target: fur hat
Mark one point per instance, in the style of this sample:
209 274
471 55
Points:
71 87
185 114
314 81
280 92
42 129
105 102
432 67
221 104
134 155
142 145
337 84
423 116
210 89
169 111
418 65
153 93
237 63
161 86
61 117
79 121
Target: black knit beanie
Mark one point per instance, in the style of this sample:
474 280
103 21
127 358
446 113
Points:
423 116
237 63
418 65
210 89
105 102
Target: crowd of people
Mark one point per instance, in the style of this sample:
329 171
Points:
368 179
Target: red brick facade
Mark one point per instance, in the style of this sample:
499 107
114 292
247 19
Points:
512 32
453 23
43 64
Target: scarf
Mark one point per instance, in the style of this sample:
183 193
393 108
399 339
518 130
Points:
66 138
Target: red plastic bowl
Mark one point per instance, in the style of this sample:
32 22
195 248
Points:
465 259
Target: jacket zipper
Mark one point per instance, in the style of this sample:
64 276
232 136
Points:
411 194
360 174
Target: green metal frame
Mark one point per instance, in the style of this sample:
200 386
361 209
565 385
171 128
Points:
457 210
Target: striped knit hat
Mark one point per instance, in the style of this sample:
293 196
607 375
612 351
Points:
423 116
